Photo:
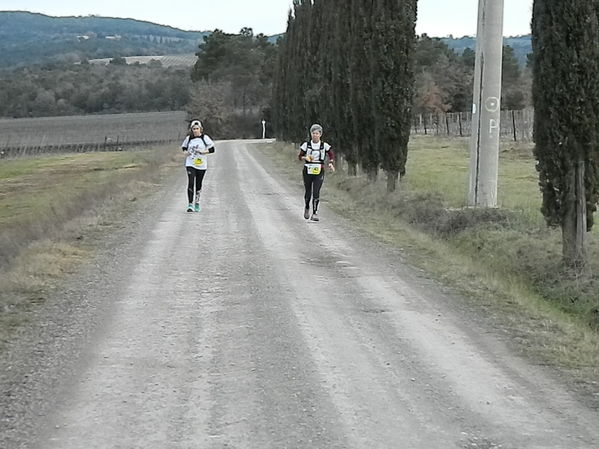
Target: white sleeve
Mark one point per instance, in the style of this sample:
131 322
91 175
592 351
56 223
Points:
327 147
304 146
185 142
209 141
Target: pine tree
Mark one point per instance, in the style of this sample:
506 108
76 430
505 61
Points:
565 39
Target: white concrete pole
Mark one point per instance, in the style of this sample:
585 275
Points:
486 108
263 129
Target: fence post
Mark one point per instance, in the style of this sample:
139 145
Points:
514 125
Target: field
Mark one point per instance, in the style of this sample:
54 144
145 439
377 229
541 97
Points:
48 227
89 132
183 60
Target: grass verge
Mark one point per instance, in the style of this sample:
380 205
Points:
54 211
504 261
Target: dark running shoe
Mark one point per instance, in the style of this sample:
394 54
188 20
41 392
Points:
306 213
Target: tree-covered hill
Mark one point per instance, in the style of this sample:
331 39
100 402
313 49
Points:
521 45
30 38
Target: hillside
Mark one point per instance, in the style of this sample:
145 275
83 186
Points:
74 39
82 38
521 44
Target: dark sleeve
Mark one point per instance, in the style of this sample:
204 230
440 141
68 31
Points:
331 154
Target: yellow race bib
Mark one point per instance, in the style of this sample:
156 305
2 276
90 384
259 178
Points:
313 169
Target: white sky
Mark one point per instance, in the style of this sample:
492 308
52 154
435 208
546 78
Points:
437 18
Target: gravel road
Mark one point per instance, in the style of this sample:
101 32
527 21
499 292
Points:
245 326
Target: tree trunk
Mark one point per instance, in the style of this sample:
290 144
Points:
574 226
372 174
352 168
392 177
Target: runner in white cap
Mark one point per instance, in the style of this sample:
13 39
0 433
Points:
196 146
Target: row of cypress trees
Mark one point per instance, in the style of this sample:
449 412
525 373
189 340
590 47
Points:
348 65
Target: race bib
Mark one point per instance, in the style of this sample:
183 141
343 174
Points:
314 169
198 161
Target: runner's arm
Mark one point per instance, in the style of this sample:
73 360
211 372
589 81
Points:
331 156
209 144
184 144
303 150
331 159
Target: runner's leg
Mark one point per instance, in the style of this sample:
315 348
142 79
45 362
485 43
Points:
318 181
308 179
190 182
199 177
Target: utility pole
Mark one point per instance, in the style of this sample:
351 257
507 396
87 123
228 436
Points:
486 107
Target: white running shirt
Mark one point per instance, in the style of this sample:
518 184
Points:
194 146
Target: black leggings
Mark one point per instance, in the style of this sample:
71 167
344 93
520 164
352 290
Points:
312 183
194 176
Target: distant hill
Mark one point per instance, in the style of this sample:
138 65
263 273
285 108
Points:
30 38
521 44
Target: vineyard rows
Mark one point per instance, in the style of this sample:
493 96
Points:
183 60
19 137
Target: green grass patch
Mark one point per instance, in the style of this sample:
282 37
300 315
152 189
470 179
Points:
505 260
54 210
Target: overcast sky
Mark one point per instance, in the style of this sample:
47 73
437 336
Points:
437 18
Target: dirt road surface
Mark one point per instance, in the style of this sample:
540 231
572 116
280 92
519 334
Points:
245 326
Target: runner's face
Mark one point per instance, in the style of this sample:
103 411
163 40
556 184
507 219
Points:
196 130
316 136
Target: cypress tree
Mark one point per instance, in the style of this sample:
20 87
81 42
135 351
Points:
565 39
325 30
282 78
361 87
301 65
314 77
393 42
279 109
341 117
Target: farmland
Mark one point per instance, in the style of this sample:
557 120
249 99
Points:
184 60
20 137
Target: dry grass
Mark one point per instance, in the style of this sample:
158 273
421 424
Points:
54 209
